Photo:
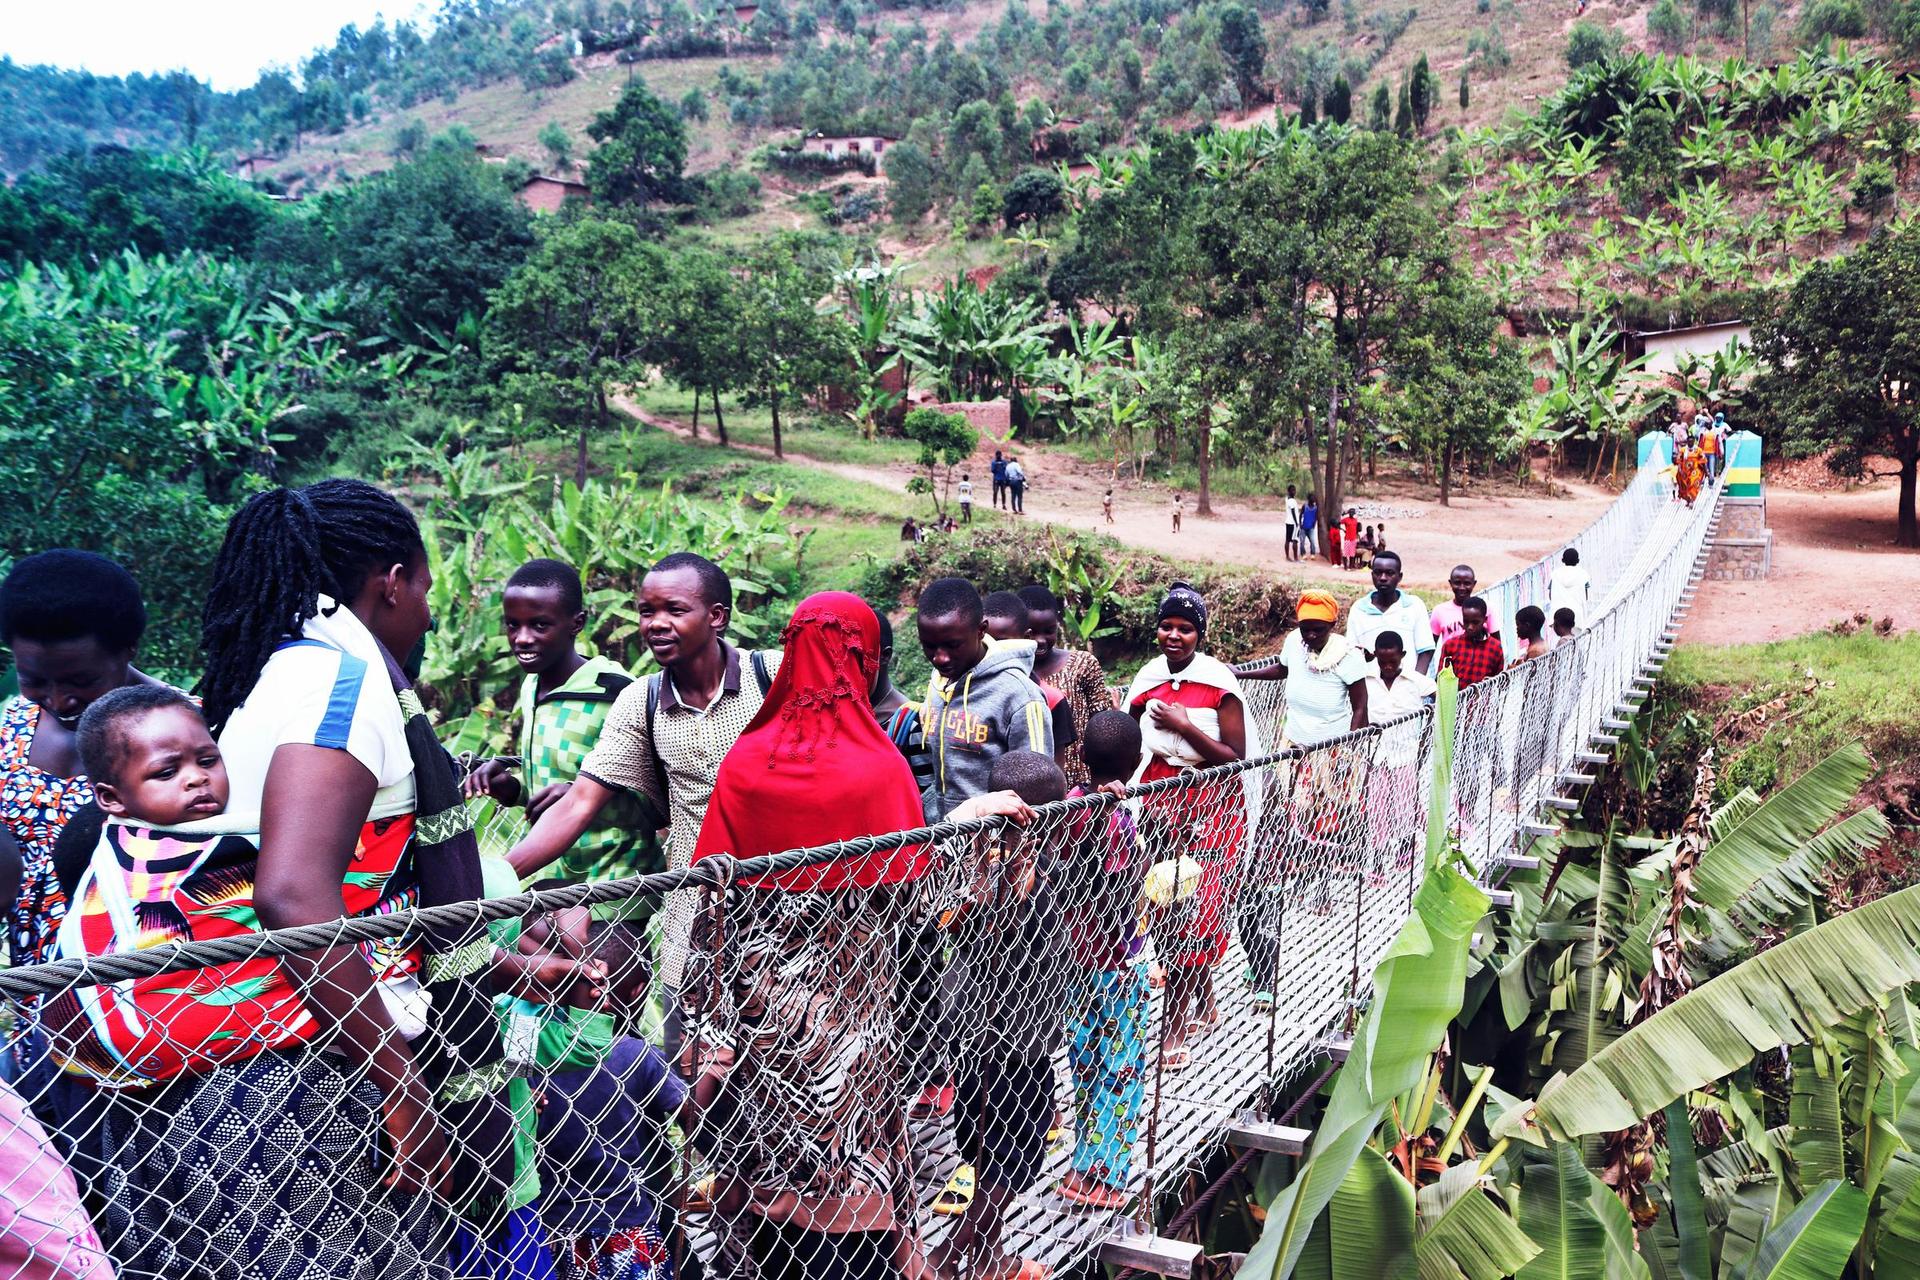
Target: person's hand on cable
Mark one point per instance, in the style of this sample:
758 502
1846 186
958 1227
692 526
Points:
493 778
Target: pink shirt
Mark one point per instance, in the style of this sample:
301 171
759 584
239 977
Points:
44 1233
1447 622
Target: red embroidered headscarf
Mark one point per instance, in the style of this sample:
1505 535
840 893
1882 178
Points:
814 766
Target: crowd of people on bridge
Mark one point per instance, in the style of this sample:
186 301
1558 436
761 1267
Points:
444 1104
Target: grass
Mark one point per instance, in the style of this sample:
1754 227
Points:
825 439
852 523
1863 689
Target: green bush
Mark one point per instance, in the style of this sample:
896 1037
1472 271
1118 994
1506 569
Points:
1589 42
1833 19
1670 28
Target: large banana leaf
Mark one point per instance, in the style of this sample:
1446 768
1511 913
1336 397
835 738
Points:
1817 1144
1897 1247
1417 989
1582 1229
1695 1256
1816 1239
1473 1240
1781 996
1368 1228
1751 849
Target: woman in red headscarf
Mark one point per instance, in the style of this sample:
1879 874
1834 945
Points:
793 975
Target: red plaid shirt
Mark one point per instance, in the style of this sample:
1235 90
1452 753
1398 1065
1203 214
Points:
1472 662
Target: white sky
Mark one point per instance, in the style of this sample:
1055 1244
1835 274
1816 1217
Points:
224 41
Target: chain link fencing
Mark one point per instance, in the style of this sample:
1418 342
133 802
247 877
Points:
1003 1058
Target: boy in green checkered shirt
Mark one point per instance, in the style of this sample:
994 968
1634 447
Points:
564 700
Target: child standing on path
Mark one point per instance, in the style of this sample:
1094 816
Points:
1309 518
1107 985
1106 506
564 701
1177 503
966 499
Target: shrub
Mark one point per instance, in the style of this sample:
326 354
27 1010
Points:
1833 19
1873 186
1589 42
1669 28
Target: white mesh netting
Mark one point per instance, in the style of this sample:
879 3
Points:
1094 998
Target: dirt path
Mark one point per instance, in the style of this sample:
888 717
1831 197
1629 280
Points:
1833 557
1496 534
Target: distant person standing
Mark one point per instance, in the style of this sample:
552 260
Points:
1178 503
1710 446
1349 540
1569 587
1530 624
1016 486
999 479
1293 525
966 499
1309 517
1563 624
1106 506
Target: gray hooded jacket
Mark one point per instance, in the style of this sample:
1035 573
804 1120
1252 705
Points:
973 721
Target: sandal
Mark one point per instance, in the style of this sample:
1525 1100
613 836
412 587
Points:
957 1196
1176 1059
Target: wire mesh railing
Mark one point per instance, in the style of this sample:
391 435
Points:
996 1059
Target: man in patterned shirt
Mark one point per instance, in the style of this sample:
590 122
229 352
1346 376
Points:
666 735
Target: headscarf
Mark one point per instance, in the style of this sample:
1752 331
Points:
814 766
1316 606
1182 601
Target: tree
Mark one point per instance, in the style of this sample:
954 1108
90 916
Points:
1034 195
1465 92
577 316
1308 115
946 441
558 144
1590 43
1339 103
642 151
1380 114
910 182
791 345
693 105
1841 364
1422 89
701 313
1244 45
419 246
1403 113
1667 23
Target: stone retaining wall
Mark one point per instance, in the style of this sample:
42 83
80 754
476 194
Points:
1743 547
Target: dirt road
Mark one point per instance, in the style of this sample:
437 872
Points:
1495 534
1833 557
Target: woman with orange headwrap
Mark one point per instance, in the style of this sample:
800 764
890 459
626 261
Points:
794 980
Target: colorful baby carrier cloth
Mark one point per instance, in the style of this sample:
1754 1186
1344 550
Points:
144 887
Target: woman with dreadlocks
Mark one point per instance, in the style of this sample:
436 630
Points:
266 1157
793 974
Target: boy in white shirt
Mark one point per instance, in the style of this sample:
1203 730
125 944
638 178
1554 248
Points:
966 499
1393 787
